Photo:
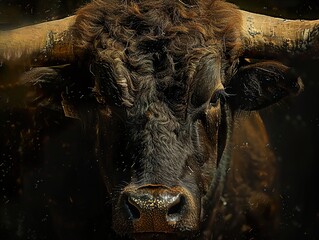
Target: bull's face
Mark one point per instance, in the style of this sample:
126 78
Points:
160 151
161 126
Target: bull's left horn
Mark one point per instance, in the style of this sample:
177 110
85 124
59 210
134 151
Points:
44 42
270 37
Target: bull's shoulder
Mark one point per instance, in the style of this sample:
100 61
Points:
252 159
250 202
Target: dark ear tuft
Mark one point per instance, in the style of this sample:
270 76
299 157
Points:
43 86
262 84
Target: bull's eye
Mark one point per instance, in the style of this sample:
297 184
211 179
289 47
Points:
218 97
215 100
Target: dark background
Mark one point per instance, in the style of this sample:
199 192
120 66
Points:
293 125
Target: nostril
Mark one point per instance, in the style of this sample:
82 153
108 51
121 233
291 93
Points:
175 211
131 209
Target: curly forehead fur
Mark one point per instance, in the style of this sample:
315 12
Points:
156 46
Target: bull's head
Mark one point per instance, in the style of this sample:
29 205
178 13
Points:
164 84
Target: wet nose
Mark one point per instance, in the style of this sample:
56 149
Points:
155 209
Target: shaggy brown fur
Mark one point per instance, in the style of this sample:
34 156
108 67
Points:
157 40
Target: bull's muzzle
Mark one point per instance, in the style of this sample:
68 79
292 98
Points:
160 209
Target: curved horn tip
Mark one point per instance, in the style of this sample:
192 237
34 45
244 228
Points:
270 37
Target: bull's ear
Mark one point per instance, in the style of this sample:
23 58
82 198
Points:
262 84
46 87
43 87
55 88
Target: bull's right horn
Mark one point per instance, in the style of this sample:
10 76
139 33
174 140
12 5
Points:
275 38
40 43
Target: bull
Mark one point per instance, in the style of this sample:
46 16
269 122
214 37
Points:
160 88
